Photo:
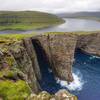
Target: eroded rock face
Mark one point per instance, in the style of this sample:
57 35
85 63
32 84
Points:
15 55
62 49
25 64
43 40
41 96
59 50
65 95
60 53
32 54
90 43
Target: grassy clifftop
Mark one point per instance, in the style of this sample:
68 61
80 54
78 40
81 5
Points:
23 20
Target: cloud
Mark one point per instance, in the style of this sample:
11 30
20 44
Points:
51 5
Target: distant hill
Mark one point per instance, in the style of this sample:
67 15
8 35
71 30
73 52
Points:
80 14
22 20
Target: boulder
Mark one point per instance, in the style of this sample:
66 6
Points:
65 95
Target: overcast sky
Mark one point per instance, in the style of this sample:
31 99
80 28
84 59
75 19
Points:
53 6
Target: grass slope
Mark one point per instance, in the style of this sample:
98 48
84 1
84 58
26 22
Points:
26 20
82 15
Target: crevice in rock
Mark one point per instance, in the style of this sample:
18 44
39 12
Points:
48 81
41 56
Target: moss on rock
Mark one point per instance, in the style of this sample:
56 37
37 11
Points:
41 96
12 74
10 90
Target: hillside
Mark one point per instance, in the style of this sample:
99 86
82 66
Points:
23 20
86 15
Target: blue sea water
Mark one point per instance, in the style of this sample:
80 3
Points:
89 67
86 73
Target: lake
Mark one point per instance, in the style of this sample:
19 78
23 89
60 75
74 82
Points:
69 26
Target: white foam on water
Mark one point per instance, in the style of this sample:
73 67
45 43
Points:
76 85
94 57
50 71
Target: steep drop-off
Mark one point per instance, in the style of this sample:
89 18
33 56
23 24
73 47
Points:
90 43
58 50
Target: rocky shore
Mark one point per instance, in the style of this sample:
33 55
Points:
18 61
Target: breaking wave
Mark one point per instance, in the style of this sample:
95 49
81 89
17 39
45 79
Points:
76 85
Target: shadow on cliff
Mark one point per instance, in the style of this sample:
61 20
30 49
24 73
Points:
48 82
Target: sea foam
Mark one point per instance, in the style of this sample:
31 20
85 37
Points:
76 85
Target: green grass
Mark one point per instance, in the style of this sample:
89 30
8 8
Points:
76 33
15 36
27 20
10 90
10 38
27 26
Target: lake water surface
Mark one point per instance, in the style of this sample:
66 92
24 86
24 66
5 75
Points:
69 26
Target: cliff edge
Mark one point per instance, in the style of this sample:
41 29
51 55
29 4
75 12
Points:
19 62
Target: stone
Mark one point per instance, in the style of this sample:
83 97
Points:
60 95
64 95
59 50
25 64
62 48
32 54
41 96
89 43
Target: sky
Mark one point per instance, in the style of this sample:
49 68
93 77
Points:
52 6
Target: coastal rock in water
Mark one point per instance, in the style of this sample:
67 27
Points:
62 48
59 50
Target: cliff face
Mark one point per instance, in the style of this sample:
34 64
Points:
62 49
26 63
15 55
89 43
59 51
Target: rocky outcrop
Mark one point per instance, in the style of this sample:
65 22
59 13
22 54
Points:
60 95
59 50
32 54
25 63
89 43
15 55
62 49
65 95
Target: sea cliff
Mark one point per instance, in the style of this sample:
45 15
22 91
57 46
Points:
18 57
